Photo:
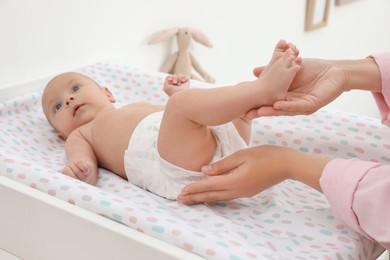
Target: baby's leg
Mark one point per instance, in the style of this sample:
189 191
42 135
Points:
186 140
244 123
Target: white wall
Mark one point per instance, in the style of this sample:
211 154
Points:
44 37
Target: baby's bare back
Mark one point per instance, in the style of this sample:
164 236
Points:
109 133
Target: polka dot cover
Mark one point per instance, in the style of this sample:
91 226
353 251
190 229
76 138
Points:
288 221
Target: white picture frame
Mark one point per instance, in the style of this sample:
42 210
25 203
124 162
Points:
317 13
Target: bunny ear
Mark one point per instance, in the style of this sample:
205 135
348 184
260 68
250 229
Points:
163 35
201 37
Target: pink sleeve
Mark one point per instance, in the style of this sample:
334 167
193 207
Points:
383 99
359 191
359 194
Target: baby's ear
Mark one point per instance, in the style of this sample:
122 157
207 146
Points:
109 94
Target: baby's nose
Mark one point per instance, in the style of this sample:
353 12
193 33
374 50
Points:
68 101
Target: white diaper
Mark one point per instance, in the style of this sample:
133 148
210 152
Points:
146 169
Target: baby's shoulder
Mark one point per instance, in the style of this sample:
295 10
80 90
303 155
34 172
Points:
80 133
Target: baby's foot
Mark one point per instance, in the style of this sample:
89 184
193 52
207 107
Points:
175 83
281 47
277 77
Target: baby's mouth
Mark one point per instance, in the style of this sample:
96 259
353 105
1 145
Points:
75 109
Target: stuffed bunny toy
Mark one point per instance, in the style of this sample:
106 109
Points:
183 61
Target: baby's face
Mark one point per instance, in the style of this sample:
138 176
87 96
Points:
71 100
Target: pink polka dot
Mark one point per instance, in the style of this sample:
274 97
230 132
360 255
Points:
176 232
21 176
251 255
273 248
210 252
26 164
276 232
235 243
234 207
188 246
52 192
358 149
340 226
297 141
317 150
344 239
309 224
33 185
152 219
9 161
140 230
133 220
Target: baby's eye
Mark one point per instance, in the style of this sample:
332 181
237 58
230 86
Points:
57 107
75 88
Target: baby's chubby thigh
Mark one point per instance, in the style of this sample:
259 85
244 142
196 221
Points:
184 142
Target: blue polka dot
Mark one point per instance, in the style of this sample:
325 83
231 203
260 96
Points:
326 232
158 229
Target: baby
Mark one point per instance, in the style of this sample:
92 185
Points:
160 148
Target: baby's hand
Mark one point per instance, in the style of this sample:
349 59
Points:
79 169
174 83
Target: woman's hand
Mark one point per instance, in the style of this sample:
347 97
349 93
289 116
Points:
242 174
251 171
317 83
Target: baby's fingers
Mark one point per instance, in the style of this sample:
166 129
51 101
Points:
68 172
182 78
81 169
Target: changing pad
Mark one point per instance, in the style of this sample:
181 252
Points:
287 221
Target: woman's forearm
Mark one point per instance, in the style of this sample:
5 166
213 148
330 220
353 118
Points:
363 74
306 168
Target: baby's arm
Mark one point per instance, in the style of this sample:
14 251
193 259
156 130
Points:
82 162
